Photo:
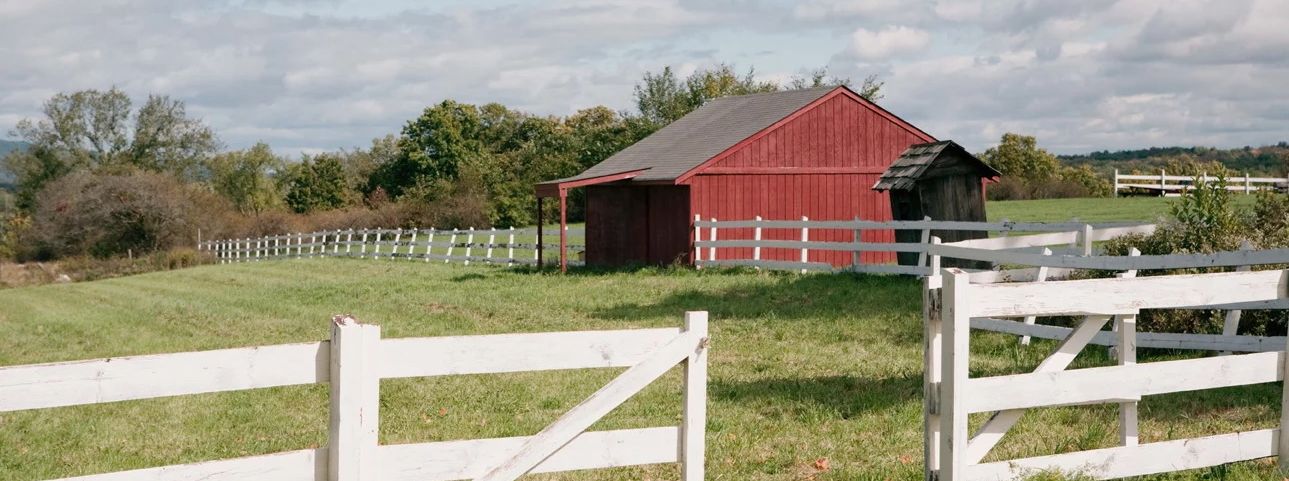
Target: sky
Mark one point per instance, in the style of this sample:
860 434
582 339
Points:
312 75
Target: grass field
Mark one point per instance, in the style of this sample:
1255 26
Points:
1097 209
803 368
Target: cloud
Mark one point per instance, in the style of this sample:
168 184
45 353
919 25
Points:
877 45
305 75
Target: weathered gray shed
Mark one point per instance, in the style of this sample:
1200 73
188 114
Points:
940 180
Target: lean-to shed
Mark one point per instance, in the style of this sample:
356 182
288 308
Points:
940 180
782 155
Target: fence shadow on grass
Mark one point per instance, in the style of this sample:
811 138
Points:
834 396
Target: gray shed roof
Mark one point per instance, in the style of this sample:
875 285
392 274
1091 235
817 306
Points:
916 164
702 134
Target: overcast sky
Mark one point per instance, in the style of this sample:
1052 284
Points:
307 75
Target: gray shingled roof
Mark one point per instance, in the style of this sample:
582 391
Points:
914 163
702 134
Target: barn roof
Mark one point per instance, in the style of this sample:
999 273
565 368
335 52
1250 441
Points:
923 161
702 134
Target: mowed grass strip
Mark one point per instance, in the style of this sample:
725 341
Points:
1094 209
814 377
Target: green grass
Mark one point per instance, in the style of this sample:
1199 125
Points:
802 368
1098 209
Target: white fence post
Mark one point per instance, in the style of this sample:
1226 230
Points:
393 252
510 247
711 251
1085 238
1282 450
375 253
492 237
857 235
956 325
355 401
469 245
805 237
1163 179
1248 187
756 236
698 237
926 238
363 246
452 243
1126 353
932 358
693 438
349 241
411 244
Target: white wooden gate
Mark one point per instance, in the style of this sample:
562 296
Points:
951 396
354 362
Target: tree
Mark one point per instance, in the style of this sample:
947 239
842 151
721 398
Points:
662 98
433 147
90 130
244 177
870 89
1020 157
317 183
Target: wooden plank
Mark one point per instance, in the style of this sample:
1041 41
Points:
1153 458
997 426
932 358
958 295
536 449
302 465
140 377
498 353
1152 340
1124 296
818 245
469 459
355 401
693 430
1119 263
1104 384
1127 354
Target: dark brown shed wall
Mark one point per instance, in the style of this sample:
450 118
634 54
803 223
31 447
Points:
628 224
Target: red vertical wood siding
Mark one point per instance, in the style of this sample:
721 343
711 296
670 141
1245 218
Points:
855 141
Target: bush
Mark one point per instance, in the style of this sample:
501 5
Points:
1205 220
103 215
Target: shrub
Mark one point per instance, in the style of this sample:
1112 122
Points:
1205 220
102 215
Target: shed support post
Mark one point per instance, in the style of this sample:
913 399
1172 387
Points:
540 221
563 230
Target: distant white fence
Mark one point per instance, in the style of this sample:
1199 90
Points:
1164 184
951 395
493 246
354 362
713 248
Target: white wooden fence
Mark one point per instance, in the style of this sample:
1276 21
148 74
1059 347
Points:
1164 184
354 362
711 248
951 395
493 246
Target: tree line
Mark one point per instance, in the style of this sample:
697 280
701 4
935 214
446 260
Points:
102 178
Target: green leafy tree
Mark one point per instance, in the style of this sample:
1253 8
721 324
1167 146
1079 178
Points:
244 177
317 183
1019 156
92 130
434 146
662 97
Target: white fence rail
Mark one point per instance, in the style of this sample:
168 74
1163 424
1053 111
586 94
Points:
953 310
1164 184
711 248
355 360
493 246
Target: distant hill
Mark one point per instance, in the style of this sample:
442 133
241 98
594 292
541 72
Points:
1268 160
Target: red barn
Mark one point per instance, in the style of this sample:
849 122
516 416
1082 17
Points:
782 155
